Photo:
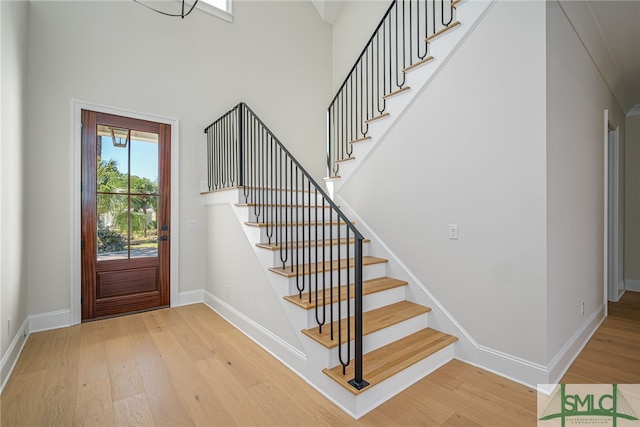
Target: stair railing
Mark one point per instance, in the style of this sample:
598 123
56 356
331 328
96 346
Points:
294 211
398 44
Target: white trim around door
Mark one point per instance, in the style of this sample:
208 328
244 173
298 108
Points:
77 107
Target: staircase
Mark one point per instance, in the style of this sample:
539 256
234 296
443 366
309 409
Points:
365 335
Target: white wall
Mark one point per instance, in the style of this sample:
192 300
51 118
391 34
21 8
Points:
632 206
231 261
351 32
471 151
13 139
122 55
576 99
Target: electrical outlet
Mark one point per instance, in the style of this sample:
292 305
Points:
9 326
227 287
582 308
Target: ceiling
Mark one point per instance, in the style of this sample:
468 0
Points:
610 31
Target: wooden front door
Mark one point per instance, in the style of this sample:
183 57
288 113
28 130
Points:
125 214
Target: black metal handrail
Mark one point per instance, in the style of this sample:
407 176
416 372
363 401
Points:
398 43
298 217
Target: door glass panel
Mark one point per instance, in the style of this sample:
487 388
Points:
144 163
144 226
113 226
113 161
127 193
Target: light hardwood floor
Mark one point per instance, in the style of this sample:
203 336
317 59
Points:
187 366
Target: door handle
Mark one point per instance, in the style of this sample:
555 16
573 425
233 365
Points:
164 238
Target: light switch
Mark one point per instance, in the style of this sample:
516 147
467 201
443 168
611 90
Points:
192 224
453 231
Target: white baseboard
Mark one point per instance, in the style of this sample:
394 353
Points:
251 329
10 358
632 285
51 320
568 353
513 368
190 297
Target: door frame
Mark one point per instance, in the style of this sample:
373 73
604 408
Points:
612 253
76 267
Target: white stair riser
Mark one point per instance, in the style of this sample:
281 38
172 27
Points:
309 255
382 392
339 278
376 339
282 197
290 233
287 214
369 302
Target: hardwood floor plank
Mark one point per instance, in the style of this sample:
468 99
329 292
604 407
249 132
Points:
194 392
612 355
133 411
94 406
123 370
16 409
162 397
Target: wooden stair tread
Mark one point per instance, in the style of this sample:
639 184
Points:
346 159
306 244
442 31
372 321
381 116
326 266
294 224
368 287
417 64
387 361
396 92
363 139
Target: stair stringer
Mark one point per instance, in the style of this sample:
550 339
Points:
469 13
466 349
309 363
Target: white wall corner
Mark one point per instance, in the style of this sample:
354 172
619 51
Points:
10 358
511 367
191 297
52 320
632 285
560 363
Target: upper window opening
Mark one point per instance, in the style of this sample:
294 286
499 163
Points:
219 8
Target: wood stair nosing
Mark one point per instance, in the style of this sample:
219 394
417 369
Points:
307 244
346 159
442 31
362 139
320 267
368 287
372 321
391 359
396 92
378 117
417 64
